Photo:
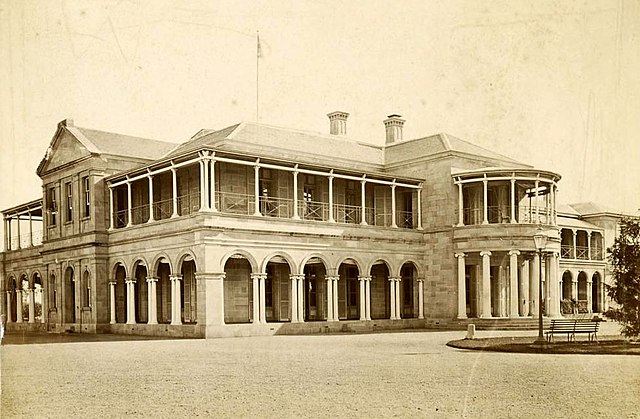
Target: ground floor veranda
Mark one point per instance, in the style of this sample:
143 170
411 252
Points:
503 284
168 295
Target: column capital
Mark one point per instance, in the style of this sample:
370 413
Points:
485 253
112 283
332 278
258 275
296 276
514 252
364 278
175 277
420 279
130 280
395 278
152 279
460 255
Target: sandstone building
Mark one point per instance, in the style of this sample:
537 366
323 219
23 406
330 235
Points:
255 229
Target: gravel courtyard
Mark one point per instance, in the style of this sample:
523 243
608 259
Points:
377 375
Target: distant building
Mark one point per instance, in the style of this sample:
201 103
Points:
253 228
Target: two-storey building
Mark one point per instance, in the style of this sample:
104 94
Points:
252 228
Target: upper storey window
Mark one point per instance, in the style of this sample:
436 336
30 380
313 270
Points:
53 208
69 207
86 193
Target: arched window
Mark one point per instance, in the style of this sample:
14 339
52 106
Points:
86 289
53 292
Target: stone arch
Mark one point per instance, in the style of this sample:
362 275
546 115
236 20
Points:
139 273
85 288
390 266
320 256
359 263
116 264
278 267
409 289
246 255
597 288
567 287
24 278
582 291
119 276
36 275
284 255
138 261
186 255
416 266
187 267
13 298
161 257
69 295
380 288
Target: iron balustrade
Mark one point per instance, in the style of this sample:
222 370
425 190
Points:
140 214
162 209
596 253
582 252
566 251
404 219
235 203
188 203
501 214
120 218
313 210
349 214
276 207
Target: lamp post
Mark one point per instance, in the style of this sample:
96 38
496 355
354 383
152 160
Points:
540 240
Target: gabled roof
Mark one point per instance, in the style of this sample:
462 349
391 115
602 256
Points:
288 144
84 142
123 145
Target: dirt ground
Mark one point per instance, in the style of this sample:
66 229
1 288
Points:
378 375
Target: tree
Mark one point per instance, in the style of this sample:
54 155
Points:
624 257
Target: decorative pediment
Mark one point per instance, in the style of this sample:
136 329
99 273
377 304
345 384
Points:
65 148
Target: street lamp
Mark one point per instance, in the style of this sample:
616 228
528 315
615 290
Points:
540 240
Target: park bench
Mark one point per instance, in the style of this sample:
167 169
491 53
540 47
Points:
571 327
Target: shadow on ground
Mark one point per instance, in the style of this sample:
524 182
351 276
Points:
613 345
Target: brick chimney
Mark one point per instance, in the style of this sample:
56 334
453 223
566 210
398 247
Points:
393 125
338 123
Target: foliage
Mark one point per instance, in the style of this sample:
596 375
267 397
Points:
624 257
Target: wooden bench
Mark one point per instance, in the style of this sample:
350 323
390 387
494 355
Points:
571 327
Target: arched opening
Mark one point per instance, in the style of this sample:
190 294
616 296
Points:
380 301
315 298
13 315
277 290
37 296
86 290
582 292
238 290
188 291
596 292
348 291
566 286
24 298
69 296
141 293
408 290
163 292
53 299
121 294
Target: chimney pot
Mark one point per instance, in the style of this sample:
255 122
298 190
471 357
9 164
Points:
393 127
338 123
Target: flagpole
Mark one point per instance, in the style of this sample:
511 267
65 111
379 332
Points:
257 76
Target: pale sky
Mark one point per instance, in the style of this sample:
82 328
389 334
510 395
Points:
555 84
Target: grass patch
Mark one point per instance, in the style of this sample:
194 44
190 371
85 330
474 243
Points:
612 345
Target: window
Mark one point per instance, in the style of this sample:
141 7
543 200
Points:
53 210
86 193
69 202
